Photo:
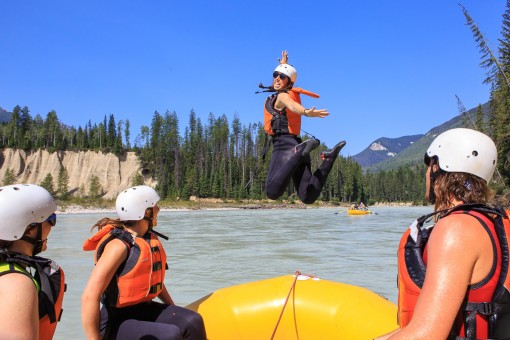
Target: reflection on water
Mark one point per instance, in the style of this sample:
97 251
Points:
209 250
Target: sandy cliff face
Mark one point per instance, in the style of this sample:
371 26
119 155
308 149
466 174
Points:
114 173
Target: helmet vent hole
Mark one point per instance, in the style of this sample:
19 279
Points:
474 153
123 209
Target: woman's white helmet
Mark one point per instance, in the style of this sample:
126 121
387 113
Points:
132 203
21 205
465 150
288 70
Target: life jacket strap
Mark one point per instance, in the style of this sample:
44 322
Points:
157 266
488 308
267 145
154 289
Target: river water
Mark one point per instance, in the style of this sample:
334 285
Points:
211 249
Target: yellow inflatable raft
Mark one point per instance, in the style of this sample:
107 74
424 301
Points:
295 307
358 212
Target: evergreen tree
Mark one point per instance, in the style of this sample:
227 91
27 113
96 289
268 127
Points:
9 177
127 134
497 76
37 132
112 132
63 183
117 148
95 189
47 183
137 179
14 128
52 130
25 126
479 122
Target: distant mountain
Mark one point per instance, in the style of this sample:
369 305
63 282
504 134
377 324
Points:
4 116
415 151
384 148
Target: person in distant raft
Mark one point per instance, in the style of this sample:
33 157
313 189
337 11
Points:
31 287
291 156
129 274
453 276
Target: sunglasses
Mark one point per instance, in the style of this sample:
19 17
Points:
281 75
52 219
428 160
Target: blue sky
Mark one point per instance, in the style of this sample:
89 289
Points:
382 68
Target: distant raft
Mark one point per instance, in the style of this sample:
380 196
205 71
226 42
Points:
358 212
295 307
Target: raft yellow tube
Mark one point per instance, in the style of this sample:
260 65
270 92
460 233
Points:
315 309
358 212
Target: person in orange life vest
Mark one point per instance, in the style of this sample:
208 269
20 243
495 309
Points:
462 257
129 273
31 287
291 156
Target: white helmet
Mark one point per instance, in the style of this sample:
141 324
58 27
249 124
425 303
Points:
21 205
288 70
132 203
465 150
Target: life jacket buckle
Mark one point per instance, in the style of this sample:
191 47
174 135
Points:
486 308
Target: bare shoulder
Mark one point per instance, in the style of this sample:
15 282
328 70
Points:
115 248
460 229
19 313
19 280
115 252
18 291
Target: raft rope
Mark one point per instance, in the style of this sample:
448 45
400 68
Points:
296 275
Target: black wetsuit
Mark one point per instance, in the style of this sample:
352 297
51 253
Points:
151 320
286 163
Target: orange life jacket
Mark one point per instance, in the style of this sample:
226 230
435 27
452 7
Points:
141 277
50 280
284 122
486 312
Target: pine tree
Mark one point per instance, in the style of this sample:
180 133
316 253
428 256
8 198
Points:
117 149
95 189
25 125
479 121
112 132
127 134
14 128
497 76
137 179
9 177
47 183
63 183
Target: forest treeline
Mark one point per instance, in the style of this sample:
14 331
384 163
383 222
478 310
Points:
217 158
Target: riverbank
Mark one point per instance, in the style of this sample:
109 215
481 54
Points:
197 205
108 206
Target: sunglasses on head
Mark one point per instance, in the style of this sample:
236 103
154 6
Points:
281 75
429 160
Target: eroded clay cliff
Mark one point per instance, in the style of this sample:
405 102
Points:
115 173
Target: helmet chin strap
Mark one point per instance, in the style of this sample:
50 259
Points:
150 218
37 242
